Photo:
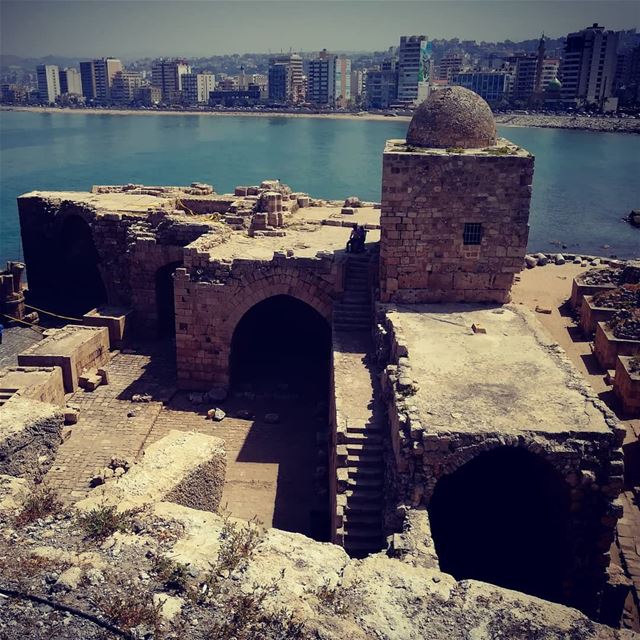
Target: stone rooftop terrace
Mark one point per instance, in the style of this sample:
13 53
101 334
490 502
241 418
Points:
511 379
503 147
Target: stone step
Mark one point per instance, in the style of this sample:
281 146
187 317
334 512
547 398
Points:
358 496
362 482
364 449
366 471
369 427
365 437
365 460
362 548
352 311
352 327
363 531
366 518
370 509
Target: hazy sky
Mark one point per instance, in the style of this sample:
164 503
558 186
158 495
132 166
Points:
126 29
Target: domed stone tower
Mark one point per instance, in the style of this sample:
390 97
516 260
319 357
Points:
455 205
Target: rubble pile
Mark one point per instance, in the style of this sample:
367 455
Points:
601 276
625 325
625 297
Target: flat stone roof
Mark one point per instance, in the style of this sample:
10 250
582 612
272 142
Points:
109 202
305 235
511 379
63 341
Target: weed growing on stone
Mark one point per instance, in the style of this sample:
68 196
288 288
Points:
237 544
173 575
339 599
40 502
454 150
103 521
130 607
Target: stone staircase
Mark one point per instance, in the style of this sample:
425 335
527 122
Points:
360 460
353 312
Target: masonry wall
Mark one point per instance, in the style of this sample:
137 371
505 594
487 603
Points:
427 197
591 465
211 297
130 250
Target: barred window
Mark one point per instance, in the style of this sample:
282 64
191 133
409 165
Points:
472 233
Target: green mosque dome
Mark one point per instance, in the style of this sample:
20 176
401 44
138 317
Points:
554 85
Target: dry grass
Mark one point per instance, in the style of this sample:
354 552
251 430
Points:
103 521
40 502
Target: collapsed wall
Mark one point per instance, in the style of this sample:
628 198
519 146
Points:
30 433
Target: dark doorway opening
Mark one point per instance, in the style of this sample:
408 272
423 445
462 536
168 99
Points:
280 342
79 286
165 304
280 357
502 518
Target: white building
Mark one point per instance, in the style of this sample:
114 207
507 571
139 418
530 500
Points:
413 67
48 83
70 81
588 66
197 86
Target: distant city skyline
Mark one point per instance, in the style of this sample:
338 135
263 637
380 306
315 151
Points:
151 28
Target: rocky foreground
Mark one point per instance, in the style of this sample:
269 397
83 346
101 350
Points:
169 571
585 123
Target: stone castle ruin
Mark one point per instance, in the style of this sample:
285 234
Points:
435 406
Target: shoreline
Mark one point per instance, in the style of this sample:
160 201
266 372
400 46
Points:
576 123
168 112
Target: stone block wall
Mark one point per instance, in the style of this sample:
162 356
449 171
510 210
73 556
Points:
418 457
130 249
427 197
211 296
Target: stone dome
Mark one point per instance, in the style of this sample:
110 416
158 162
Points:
452 117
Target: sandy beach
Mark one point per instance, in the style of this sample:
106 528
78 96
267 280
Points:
583 123
254 114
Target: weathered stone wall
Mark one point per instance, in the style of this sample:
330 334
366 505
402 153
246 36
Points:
130 249
591 465
212 296
427 197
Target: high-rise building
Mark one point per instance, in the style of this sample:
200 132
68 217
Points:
48 83
196 87
88 79
523 67
320 80
70 81
382 85
357 85
167 74
588 66
285 78
105 70
124 86
414 60
490 85
449 66
342 81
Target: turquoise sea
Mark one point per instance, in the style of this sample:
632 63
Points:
584 182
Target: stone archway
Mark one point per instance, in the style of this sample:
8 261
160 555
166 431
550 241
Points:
503 518
281 340
79 286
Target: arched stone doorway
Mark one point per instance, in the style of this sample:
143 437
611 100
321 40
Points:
79 283
279 364
165 304
282 341
502 518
